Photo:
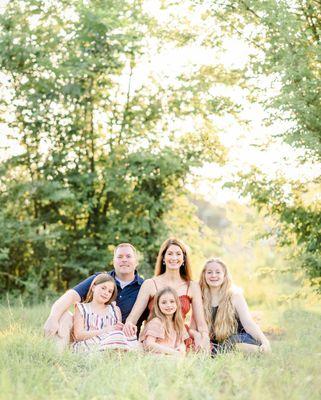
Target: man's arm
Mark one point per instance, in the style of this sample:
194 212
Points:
58 308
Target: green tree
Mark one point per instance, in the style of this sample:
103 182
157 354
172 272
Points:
286 38
101 158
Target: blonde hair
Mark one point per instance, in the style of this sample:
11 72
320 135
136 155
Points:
185 269
126 245
101 278
177 318
225 323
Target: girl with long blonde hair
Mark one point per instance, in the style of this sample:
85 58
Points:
226 312
165 331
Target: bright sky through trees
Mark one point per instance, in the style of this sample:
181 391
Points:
241 141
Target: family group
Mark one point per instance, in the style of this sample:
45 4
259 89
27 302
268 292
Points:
167 314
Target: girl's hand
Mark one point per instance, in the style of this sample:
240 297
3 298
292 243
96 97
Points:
178 352
118 327
265 347
107 329
181 349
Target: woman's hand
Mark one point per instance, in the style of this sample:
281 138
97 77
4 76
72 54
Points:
197 340
206 343
201 341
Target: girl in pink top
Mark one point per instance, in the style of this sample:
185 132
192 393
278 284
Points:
165 331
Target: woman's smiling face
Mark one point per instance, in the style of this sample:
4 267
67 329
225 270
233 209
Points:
174 257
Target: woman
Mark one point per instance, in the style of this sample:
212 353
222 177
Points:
173 269
226 312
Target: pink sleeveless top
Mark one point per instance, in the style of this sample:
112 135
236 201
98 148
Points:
184 299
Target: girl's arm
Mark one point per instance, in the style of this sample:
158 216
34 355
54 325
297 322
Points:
247 321
151 345
201 341
119 326
144 294
80 333
118 313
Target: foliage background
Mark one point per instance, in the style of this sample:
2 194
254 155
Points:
110 146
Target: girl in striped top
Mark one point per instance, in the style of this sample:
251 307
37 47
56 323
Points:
97 321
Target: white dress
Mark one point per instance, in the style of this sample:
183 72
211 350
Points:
111 340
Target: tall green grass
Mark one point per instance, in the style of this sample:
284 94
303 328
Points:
30 368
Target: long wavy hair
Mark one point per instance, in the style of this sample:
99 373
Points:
185 269
101 278
225 323
177 318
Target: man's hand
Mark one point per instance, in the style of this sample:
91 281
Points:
130 329
51 326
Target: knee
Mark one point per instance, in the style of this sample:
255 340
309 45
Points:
65 324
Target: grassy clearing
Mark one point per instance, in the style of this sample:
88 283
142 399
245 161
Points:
31 369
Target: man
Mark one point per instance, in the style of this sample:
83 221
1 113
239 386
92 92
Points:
59 323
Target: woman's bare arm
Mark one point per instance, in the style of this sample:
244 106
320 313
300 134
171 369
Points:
146 292
198 317
192 331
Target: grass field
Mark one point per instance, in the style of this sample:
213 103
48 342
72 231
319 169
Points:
30 368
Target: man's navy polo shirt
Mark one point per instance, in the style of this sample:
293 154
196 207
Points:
125 298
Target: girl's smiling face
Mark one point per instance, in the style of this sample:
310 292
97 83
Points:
214 274
103 292
167 304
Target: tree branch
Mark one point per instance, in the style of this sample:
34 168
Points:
131 66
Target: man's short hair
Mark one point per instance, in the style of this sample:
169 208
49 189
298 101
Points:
126 245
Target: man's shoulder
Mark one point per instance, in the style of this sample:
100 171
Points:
140 279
